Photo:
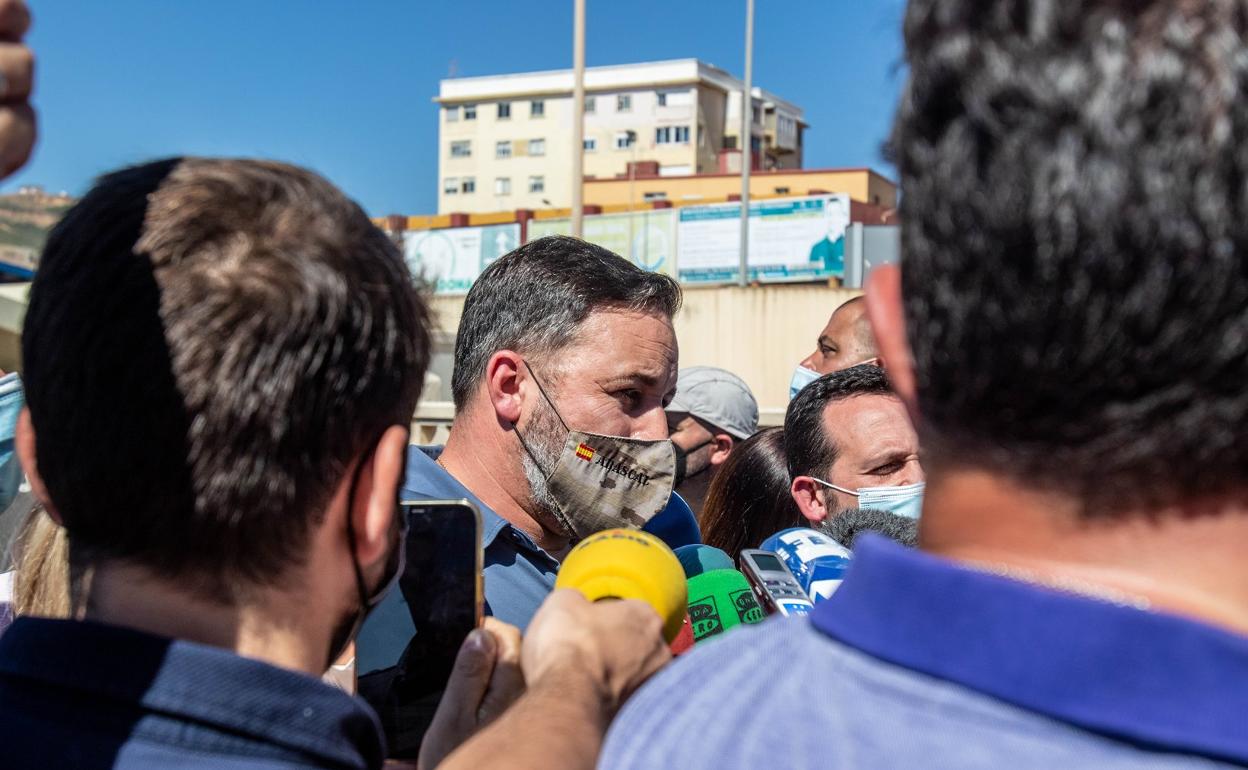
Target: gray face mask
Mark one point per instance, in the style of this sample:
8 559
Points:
602 482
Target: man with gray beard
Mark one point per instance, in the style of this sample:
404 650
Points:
564 361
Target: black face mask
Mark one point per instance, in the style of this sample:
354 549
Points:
682 461
350 626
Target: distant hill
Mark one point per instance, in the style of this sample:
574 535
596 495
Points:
26 216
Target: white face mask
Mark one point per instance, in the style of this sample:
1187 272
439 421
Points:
905 500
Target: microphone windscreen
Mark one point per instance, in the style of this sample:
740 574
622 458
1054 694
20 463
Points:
696 559
719 600
816 560
675 525
628 564
684 640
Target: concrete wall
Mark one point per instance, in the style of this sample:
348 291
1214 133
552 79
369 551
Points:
759 333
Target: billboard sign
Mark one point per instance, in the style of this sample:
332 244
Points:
648 238
791 239
454 257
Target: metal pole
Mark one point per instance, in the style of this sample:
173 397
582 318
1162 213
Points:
578 115
747 136
632 178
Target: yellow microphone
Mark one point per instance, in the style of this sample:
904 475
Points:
628 564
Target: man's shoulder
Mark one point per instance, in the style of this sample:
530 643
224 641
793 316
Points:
783 693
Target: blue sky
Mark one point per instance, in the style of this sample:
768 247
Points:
345 87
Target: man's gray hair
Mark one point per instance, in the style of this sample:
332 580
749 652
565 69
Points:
534 299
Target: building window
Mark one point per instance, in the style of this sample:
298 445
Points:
656 196
502 150
624 103
450 185
452 114
624 140
537 184
470 112
468 185
782 191
461 149
504 110
591 145
671 134
537 108
502 186
662 97
537 146
590 104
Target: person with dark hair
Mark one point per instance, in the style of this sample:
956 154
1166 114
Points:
564 361
1069 328
222 358
852 523
846 341
749 498
850 444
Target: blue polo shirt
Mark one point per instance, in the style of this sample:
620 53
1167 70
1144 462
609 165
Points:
77 694
919 662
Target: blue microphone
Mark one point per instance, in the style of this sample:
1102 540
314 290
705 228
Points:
816 560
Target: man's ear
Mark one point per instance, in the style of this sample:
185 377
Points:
806 493
25 440
888 324
373 510
721 448
505 377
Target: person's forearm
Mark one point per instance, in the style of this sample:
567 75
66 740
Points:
558 724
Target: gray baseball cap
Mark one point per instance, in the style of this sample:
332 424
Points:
718 397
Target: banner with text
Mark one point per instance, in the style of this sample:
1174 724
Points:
453 258
791 239
652 235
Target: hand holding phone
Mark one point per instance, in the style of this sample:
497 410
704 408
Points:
408 655
485 680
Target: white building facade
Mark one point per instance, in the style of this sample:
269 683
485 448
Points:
504 142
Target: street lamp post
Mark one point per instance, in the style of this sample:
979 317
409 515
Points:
747 136
578 116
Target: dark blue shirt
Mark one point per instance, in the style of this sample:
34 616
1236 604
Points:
77 694
920 662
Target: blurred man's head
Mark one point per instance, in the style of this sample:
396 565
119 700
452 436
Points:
561 335
1070 321
221 361
1075 240
844 433
713 410
846 341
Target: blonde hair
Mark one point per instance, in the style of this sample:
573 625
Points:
41 584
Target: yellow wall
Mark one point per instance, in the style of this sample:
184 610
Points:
757 332
860 185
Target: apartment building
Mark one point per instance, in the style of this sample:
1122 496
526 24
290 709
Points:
504 141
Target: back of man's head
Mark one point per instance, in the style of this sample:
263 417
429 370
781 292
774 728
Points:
809 448
209 344
534 300
1075 231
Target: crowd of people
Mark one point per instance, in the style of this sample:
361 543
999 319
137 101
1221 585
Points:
1030 435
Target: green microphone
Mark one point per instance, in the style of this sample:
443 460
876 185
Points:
720 599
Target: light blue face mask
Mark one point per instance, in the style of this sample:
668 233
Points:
12 399
801 378
905 500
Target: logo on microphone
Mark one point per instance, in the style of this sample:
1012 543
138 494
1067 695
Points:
585 452
704 617
747 607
